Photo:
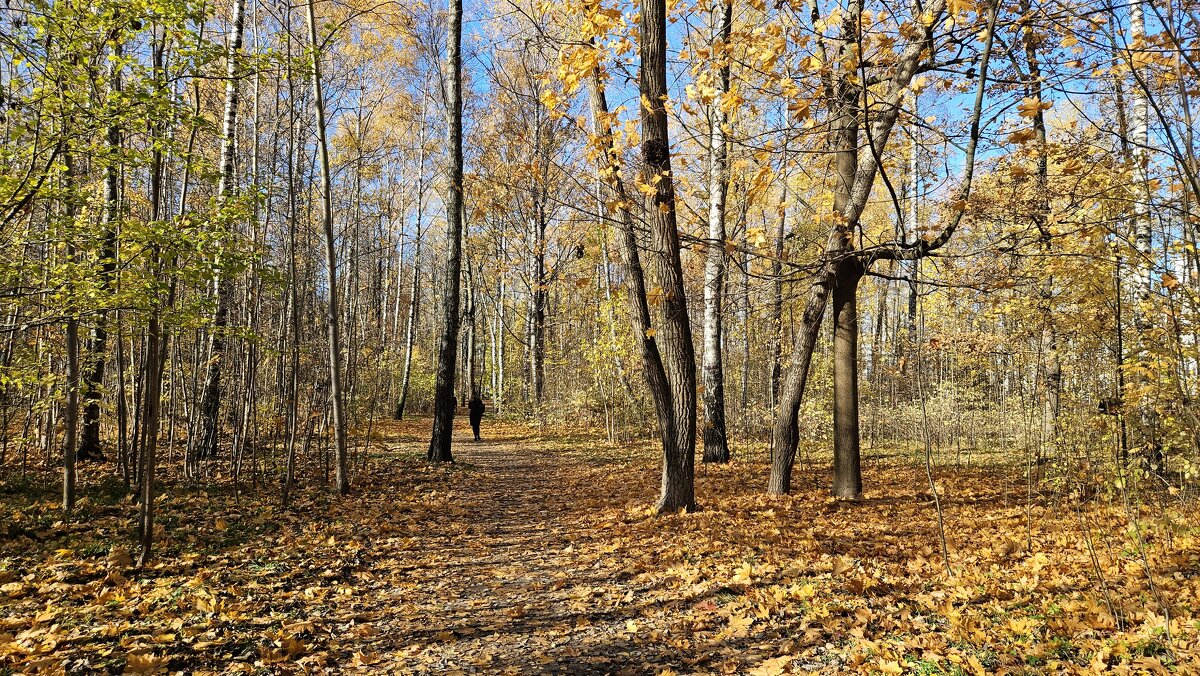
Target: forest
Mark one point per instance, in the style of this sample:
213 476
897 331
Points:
808 336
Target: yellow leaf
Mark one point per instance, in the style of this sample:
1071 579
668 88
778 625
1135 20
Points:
144 664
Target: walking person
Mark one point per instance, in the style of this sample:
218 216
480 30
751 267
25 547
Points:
475 407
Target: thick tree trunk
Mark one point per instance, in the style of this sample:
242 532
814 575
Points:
333 316
786 435
443 406
620 206
679 360
847 476
716 442
855 180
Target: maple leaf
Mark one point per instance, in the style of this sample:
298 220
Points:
1029 107
774 666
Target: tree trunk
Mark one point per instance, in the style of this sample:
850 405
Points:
469 318
716 442
342 476
210 409
1052 379
775 331
678 353
71 414
620 205
785 436
414 289
855 179
293 396
443 407
156 347
70 419
1142 223
537 307
847 477
93 380
501 335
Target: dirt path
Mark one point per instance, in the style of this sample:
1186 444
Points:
509 582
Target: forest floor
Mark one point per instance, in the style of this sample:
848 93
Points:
537 553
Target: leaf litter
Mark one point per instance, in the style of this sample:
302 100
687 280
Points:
537 553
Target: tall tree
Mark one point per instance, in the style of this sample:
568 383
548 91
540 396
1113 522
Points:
414 287
858 142
210 407
93 379
333 316
444 403
678 353
716 440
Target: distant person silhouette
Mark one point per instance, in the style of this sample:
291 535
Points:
475 407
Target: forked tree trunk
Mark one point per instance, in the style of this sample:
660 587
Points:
443 405
856 171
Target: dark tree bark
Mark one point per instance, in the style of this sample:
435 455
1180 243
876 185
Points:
678 352
156 349
620 206
857 168
443 405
